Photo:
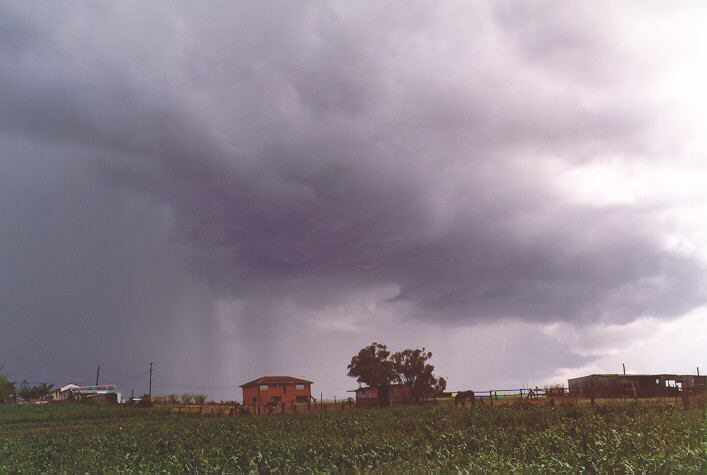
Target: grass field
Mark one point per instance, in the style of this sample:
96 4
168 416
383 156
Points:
604 438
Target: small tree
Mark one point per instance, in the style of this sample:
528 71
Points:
7 388
441 385
159 399
44 389
187 397
173 398
200 399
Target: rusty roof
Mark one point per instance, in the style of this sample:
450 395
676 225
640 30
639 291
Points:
276 380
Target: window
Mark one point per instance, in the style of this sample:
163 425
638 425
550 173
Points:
301 399
263 387
276 398
299 387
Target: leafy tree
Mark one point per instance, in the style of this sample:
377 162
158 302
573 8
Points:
27 392
173 398
411 369
7 388
44 389
441 385
187 397
200 399
372 367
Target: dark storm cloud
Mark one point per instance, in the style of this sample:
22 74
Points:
309 153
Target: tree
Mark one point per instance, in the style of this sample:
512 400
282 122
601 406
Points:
27 392
441 385
200 399
187 397
411 369
7 388
44 389
372 367
159 399
173 398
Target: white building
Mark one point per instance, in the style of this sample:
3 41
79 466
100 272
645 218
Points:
72 392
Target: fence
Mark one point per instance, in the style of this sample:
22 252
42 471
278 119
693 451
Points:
268 409
494 397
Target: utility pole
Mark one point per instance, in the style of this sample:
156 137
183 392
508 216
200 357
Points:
98 370
624 365
150 392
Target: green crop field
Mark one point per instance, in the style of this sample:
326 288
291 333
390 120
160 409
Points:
613 438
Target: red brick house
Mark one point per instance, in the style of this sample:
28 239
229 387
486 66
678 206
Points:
276 389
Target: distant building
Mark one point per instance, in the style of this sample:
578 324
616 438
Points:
397 394
74 392
63 393
276 390
636 385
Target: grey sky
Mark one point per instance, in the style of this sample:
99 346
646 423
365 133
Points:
233 190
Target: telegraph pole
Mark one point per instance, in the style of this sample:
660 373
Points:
98 370
150 392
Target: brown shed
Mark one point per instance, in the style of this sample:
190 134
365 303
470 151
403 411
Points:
636 385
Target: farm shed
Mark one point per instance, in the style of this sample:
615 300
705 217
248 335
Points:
276 389
636 385
397 394
73 392
62 393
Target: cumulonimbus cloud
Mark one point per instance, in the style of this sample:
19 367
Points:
310 153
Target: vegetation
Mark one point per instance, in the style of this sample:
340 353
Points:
7 388
411 368
36 392
187 398
612 438
200 399
374 366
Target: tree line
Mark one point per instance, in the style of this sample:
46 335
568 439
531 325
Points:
8 389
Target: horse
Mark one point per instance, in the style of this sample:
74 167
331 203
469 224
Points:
462 396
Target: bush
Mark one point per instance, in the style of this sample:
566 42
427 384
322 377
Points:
159 399
200 399
187 398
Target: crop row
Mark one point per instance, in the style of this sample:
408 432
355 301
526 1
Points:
607 438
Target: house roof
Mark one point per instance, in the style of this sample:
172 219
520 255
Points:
276 380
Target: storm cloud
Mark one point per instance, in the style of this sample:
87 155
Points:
159 160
